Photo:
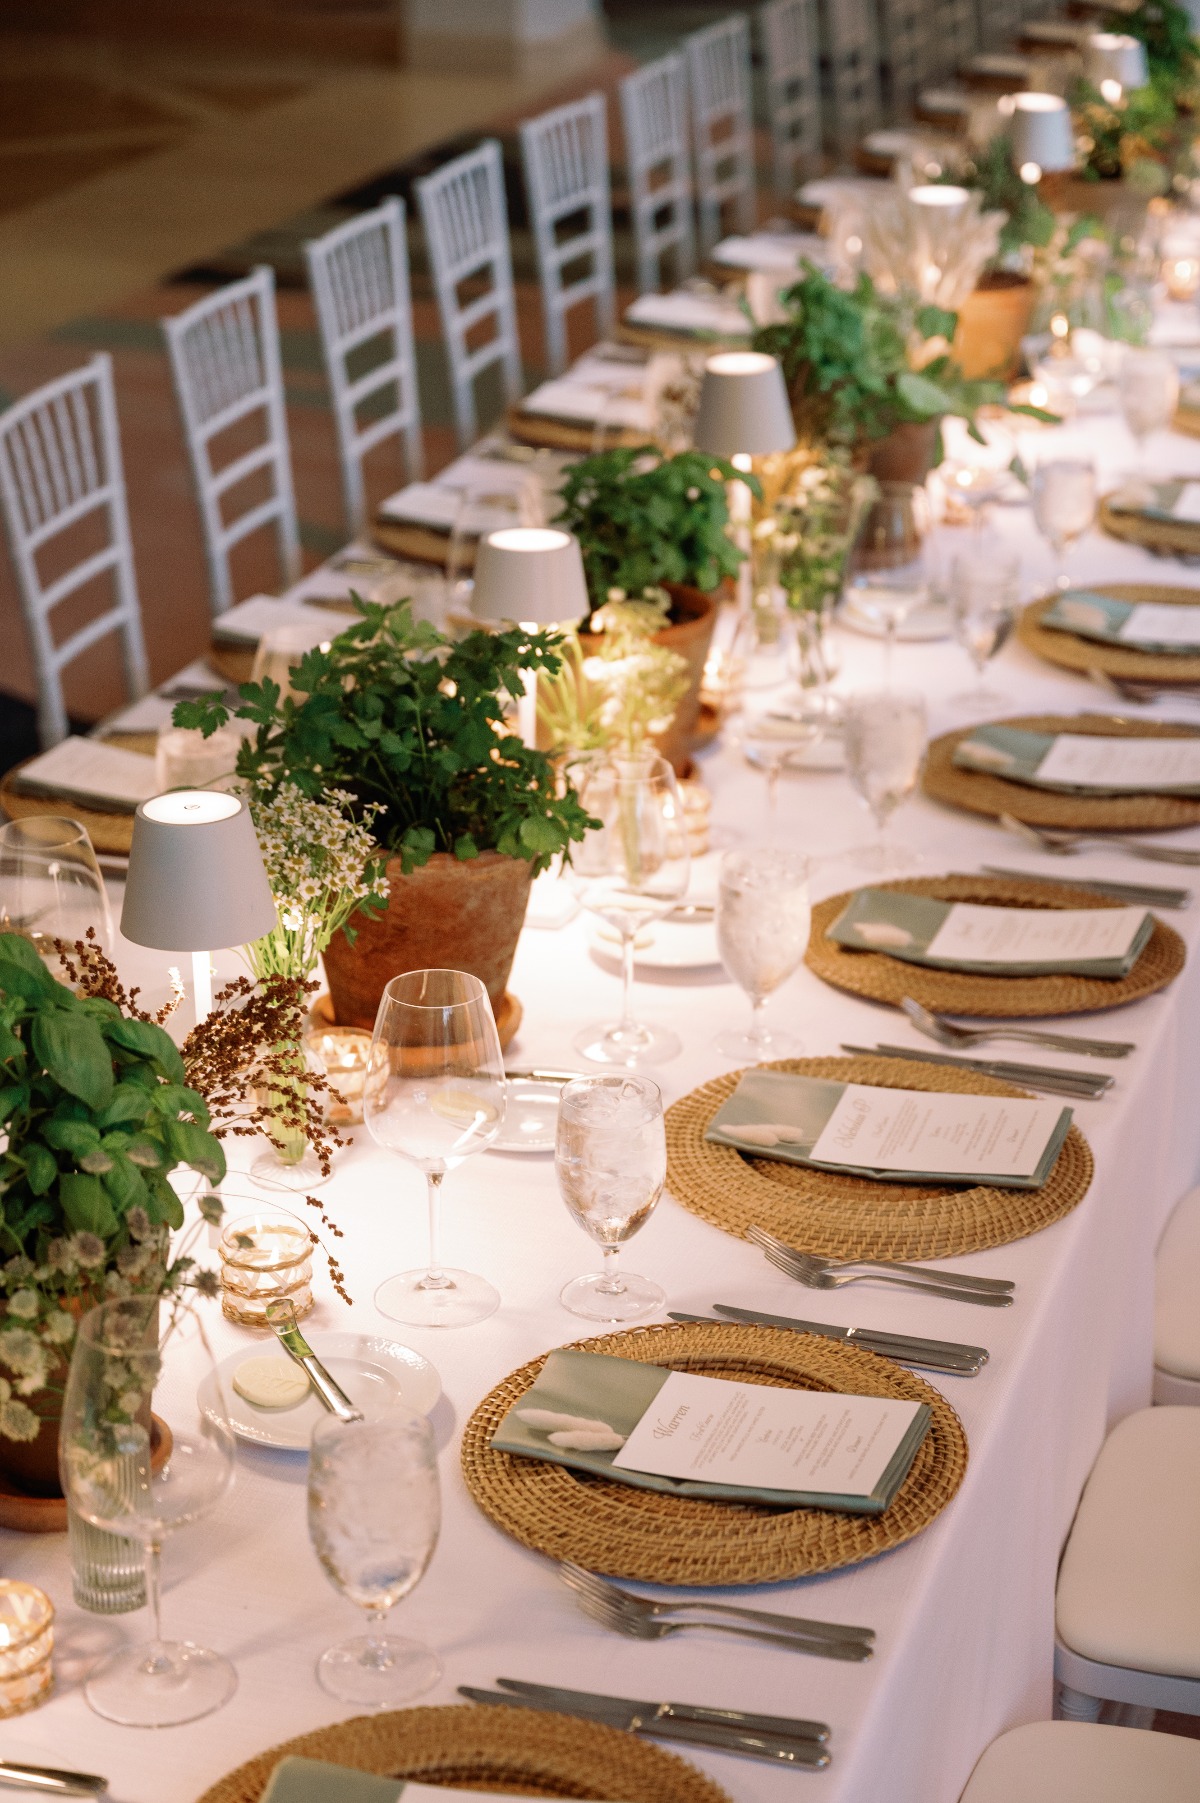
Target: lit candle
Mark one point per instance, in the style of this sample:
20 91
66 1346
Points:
265 1256
345 1053
26 1646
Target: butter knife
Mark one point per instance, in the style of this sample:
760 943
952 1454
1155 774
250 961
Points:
949 1356
1147 895
1085 1085
281 1313
716 1737
50 1781
785 1726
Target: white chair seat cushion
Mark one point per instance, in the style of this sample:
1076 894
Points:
1129 1584
1085 1762
1177 1291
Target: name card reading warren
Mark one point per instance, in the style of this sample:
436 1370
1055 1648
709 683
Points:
721 1432
1161 623
973 933
940 1134
1085 761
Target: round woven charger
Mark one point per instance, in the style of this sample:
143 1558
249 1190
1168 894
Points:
567 435
658 1539
839 1216
1175 537
982 793
1074 653
107 832
884 979
523 1751
1187 419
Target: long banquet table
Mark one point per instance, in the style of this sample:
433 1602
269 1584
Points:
964 1614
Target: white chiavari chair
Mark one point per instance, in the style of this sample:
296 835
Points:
225 364
789 39
654 113
565 154
466 234
905 52
360 285
854 107
60 463
1085 1762
722 126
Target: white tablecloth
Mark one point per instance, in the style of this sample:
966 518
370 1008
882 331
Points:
964 1614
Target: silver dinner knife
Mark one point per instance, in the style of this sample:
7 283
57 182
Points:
1084 1085
281 1313
705 1714
50 1781
1147 895
948 1356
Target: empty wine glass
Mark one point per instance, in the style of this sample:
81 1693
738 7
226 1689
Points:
890 562
1148 389
772 741
1063 492
123 1471
885 747
51 887
763 920
631 869
434 1094
374 1510
611 1157
284 647
510 497
985 599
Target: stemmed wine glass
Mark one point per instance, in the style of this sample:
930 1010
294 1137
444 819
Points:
771 741
763 920
1148 389
435 1094
374 1510
891 560
885 748
985 599
1064 505
611 1157
630 869
119 1475
50 885
513 497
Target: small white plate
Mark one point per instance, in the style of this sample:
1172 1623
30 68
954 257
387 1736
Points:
530 1116
925 623
374 1371
664 944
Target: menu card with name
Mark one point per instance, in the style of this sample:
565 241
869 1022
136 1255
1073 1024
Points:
105 777
688 1435
1158 627
1159 500
892 1135
1086 761
981 937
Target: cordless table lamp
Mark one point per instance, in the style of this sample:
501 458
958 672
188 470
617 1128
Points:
1042 136
744 413
1115 63
531 577
196 880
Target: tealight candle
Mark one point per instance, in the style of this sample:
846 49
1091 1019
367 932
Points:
265 1256
26 1646
345 1054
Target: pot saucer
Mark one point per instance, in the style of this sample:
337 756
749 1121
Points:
26 1514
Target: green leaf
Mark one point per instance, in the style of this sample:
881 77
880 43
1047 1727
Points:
148 1041
97 1162
76 1137
540 835
921 395
189 1144
125 1185
72 1049
129 1103
16 949
41 1170
85 1204
144 1151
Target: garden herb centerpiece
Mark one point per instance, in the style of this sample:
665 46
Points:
411 727
623 694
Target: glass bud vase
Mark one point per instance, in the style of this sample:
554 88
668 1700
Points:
108 1571
288 1161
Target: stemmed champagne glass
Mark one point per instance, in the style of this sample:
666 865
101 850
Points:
630 869
50 885
763 920
374 1510
611 1157
118 1476
1148 389
885 748
1064 505
985 599
435 1094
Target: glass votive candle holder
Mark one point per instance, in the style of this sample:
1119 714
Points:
26 1646
345 1054
185 759
265 1256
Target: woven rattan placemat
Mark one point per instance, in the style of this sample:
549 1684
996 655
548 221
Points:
568 435
1175 537
629 1533
523 1751
983 793
884 979
1074 653
838 1216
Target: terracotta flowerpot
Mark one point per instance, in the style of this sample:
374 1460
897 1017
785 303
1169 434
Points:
694 620
907 454
991 324
448 915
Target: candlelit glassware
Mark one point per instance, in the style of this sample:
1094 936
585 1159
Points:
885 748
1063 492
51 887
435 1094
265 1255
763 921
374 1511
630 870
985 599
185 759
124 1357
26 1647
1148 389
611 1158
344 1054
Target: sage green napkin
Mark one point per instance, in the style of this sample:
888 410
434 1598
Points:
1089 615
314 1781
874 919
765 1097
619 1391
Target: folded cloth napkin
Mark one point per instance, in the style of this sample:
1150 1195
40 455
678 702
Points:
773 252
315 1781
104 777
582 402
1168 501
698 315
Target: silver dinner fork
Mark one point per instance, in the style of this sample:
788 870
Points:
602 1590
949 1033
1064 845
820 1274
612 1614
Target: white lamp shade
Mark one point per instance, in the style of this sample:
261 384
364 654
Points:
196 878
530 576
744 408
1114 56
1042 133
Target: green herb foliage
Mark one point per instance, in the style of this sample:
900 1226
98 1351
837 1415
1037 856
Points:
400 717
643 519
989 169
1166 30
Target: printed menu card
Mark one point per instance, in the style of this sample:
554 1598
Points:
1084 763
715 1437
892 1135
988 940
105 777
1153 626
